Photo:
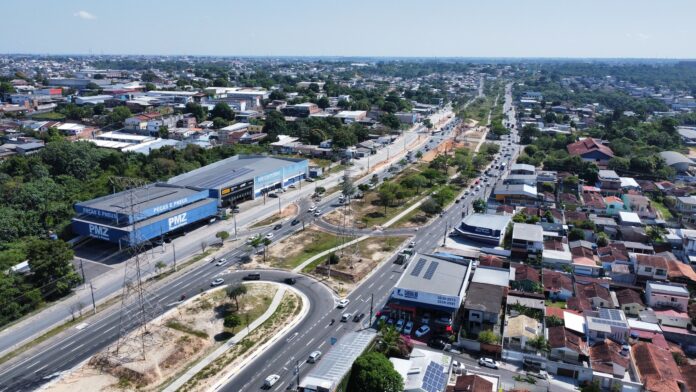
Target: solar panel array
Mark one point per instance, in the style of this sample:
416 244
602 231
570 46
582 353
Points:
418 268
431 270
435 378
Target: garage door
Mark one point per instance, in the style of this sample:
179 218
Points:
566 372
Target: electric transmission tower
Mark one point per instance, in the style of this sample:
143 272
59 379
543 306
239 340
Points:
138 306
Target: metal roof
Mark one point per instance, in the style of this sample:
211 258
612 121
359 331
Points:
151 195
433 275
527 232
488 221
337 362
231 171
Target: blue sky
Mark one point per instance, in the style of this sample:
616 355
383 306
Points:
444 28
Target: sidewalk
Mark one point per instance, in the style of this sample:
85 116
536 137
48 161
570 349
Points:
200 365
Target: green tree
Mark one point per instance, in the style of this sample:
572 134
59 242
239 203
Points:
390 120
427 123
333 259
488 337
576 234
602 239
119 114
274 125
150 87
540 343
51 265
219 122
480 206
232 321
415 181
163 132
387 194
222 235
431 207
343 138
236 291
198 111
7 88
222 110
323 102
554 321
159 266
374 372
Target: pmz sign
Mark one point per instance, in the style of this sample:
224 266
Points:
100 232
178 221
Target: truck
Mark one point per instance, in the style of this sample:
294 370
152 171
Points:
403 257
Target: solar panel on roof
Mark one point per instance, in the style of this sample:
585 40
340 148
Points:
418 268
435 378
431 270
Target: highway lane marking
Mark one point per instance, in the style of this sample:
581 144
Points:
76 348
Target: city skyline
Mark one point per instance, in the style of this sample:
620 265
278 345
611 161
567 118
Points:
537 29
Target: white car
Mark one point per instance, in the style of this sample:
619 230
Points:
317 212
312 208
457 367
399 325
271 380
217 282
423 330
343 303
408 328
488 362
221 262
270 236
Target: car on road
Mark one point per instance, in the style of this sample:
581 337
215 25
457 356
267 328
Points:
456 201
408 328
272 195
359 317
317 213
217 282
488 362
312 208
291 186
294 222
278 226
270 381
253 276
542 375
221 262
399 325
270 236
309 179
346 317
343 303
314 356
412 244
423 330
437 343
290 281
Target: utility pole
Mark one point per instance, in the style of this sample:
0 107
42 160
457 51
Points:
279 209
174 249
82 269
444 237
234 218
372 298
94 305
297 370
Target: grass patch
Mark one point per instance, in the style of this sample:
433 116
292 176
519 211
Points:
664 211
557 304
173 324
268 221
50 116
307 243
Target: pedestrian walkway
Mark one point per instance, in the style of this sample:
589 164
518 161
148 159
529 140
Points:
179 382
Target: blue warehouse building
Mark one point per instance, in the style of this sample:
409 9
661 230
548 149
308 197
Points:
185 200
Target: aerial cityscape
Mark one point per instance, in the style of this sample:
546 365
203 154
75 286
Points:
285 197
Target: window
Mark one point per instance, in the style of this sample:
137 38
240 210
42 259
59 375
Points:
648 269
673 299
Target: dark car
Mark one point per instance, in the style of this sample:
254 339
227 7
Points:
359 317
437 343
294 222
290 281
278 226
253 276
272 195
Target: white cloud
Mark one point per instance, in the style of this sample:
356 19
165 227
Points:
84 15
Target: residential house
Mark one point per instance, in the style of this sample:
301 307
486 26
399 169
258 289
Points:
607 324
592 201
630 301
679 272
590 149
424 370
519 330
301 110
673 318
527 278
621 273
613 253
613 205
527 240
566 345
557 285
656 368
610 358
639 204
471 383
627 218
666 295
650 267
609 182
483 306
686 206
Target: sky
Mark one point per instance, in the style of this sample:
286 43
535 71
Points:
390 28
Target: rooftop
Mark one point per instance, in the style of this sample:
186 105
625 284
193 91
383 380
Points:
493 276
433 275
233 170
674 289
527 232
484 297
488 221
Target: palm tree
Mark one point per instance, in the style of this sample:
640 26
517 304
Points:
235 292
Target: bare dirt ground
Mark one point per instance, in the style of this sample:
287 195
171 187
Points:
287 212
182 336
290 251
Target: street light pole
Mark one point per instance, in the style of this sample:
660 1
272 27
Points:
174 250
94 305
234 218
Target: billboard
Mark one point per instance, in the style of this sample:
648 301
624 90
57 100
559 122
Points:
447 301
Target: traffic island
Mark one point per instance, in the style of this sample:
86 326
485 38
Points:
183 335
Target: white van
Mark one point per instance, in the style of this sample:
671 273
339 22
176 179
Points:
314 356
